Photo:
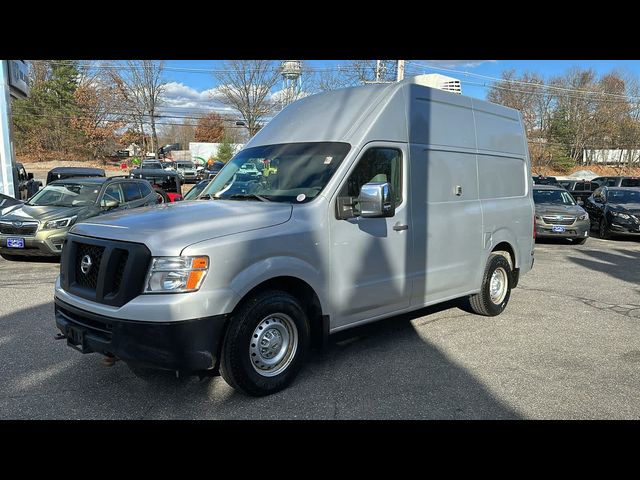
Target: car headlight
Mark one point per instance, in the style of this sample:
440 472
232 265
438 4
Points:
584 217
176 274
624 216
61 223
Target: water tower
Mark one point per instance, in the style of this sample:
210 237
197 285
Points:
291 71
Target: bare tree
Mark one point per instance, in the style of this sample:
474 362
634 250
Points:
141 84
246 86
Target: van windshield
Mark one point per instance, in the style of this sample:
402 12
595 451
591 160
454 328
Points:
291 173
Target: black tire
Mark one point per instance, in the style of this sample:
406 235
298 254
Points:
481 302
604 230
579 240
236 365
162 195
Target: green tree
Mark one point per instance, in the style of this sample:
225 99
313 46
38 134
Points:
225 150
43 121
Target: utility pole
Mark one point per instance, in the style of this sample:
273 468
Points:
400 69
377 71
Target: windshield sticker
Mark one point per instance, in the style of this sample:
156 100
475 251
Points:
301 197
327 160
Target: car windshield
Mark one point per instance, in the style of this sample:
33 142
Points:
553 196
165 182
185 165
630 182
195 191
623 196
294 172
66 195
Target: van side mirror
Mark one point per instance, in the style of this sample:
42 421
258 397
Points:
108 203
375 200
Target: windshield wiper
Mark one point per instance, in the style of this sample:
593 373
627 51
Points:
249 196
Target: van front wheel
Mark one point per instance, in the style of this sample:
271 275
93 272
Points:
265 345
496 287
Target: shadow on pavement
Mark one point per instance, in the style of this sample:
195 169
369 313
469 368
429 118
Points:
620 264
381 370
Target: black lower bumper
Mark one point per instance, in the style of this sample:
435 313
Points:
190 345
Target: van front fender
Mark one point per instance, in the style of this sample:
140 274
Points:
273 267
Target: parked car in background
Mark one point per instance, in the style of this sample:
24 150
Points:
542 180
212 170
166 183
6 202
249 171
39 226
580 190
152 164
196 190
62 173
187 171
26 186
614 211
168 165
617 181
558 215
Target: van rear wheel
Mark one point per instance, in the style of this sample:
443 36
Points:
266 342
496 287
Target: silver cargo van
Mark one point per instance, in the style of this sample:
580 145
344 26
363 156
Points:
371 201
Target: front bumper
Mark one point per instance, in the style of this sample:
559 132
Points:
619 227
46 243
189 346
579 229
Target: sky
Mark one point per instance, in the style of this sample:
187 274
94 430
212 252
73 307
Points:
192 85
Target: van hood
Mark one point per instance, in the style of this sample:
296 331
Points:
170 227
42 213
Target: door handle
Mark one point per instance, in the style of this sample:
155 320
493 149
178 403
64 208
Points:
398 227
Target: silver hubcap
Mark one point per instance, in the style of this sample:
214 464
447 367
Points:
273 344
498 285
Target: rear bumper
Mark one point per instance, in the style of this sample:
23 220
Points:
189 345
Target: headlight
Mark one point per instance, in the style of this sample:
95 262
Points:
624 216
62 223
584 217
176 274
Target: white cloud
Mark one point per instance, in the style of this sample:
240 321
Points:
456 63
180 95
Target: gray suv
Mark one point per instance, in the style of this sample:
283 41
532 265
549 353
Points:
39 226
558 214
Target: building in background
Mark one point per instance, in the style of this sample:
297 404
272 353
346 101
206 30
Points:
616 156
204 151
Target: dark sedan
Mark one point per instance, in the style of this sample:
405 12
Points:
614 211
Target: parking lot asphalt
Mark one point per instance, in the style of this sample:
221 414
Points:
567 347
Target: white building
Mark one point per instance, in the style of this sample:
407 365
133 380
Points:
610 157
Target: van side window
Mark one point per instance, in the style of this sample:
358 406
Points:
378 164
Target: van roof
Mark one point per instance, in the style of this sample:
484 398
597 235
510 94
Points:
396 112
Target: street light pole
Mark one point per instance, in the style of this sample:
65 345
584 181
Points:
400 72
